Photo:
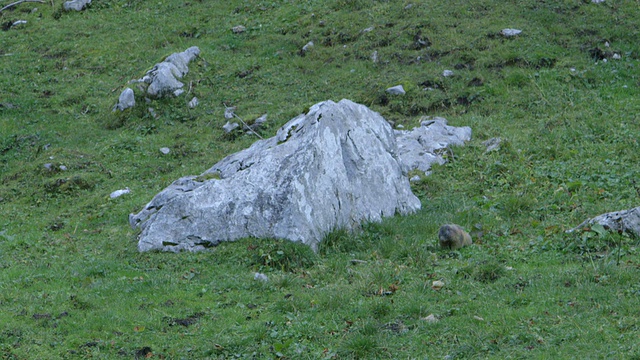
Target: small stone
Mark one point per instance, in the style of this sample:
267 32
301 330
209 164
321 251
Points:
152 113
415 178
18 22
478 318
229 127
510 32
119 193
260 277
447 73
193 103
229 112
126 100
48 166
261 120
396 90
492 144
430 319
178 92
238 29
597 1
307 46
409 6
165 150
374 56
616 56
437 285
63 168
76 5
369 29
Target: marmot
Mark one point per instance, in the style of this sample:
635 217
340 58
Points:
453 237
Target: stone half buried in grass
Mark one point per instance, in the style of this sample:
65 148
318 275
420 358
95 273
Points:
334 167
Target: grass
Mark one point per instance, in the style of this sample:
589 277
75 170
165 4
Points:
72 284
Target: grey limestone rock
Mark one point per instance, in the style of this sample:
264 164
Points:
396 90
625 221
421 147
163 77
334 167
76 5
126 100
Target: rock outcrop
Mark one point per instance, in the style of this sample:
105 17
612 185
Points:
334 167
625 221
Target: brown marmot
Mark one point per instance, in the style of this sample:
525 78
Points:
453 237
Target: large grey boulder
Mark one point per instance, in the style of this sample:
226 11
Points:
421 147
162 79
334 167
625 221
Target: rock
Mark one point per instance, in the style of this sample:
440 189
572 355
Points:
597 1
510 32
62 168
76 5
229 112
261 120
437 285
238 29
419 148
260 277
165 150
193 103
119 193
307 46
332 168
374 56
625 221
447 73
396 90
430 319
18 22
163 77
126 100
492 144
229 127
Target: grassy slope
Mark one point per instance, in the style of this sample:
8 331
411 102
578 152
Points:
73 285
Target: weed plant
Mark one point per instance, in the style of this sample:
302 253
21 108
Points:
562 95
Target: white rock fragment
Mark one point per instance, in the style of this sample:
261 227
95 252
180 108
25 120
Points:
597 1
261 120
229 112
76 5
63 168
239 29
165 150
48 166
18 22
119 193
369 29
126 100
437 285
492 144
616 56
396 90
415 178
374 56
478 318
193 103
260 277
178 92
447 73
430 319
307 46
510 32
229 127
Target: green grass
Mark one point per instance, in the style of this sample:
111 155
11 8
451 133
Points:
72 284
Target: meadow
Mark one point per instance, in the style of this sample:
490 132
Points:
562 95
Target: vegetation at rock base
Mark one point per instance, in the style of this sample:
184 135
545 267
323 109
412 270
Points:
563 96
